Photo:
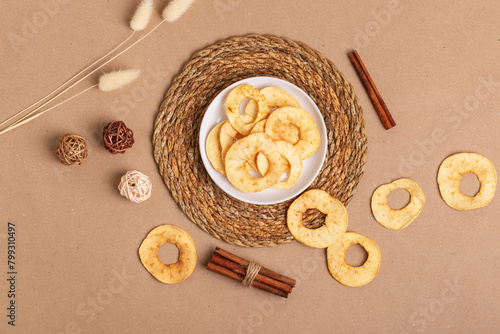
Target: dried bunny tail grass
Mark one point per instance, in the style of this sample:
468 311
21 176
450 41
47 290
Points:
64 84
139 21
27 119
175 9
172 12
117 79
142 15
107 82
32 114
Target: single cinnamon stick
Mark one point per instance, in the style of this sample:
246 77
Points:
258 285
263 271
372 90
235 267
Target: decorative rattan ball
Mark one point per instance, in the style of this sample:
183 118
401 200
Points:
117 137
72 149
135 186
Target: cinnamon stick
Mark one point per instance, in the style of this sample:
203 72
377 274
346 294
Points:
372 90
258 285
263 271
235 267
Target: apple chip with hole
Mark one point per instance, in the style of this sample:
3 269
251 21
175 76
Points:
454 168
397 219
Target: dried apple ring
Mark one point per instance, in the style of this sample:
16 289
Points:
168 273
335 221
309 133
213 148
293 162
349 275
243 151
253 163
227 138
454 168
289 133
397 219
278 98
261 164
233 102
259 127
259 158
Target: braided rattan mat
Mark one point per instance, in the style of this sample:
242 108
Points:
208 72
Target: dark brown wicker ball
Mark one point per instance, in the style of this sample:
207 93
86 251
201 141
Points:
117 137
72 149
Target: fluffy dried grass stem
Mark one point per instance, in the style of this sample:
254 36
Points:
142 15
175 9
179 9
27 119
65 83
19 122
117 79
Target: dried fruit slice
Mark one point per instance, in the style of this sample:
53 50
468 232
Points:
346 274
227 138
243 151
335 221
214 150
278 98
397 219
289 133
262 164
233 102
260 126
309 133
259 162
292 161
168 273
450 174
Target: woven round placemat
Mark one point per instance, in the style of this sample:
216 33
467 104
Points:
208 72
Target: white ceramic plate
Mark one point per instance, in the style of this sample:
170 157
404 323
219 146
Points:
311 166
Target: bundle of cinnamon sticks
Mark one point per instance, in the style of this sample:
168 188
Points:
234 267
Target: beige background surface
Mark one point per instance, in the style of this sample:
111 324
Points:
76 234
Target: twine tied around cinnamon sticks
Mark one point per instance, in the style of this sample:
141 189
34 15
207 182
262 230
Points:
250 273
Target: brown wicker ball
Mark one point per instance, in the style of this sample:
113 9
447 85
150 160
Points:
117 137
72 149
